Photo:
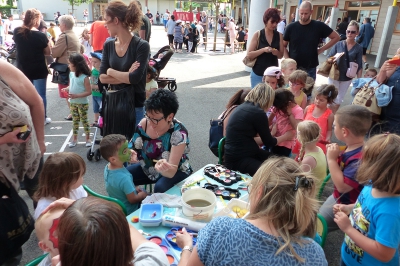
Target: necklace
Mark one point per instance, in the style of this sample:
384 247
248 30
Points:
123 46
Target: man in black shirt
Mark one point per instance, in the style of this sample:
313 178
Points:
149 15
303 37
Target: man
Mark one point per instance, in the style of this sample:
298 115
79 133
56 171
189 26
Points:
303 37
367 32
150 16
293 16
281 25
98 35
204 23
165 18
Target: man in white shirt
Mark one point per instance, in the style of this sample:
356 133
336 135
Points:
281 25
165 18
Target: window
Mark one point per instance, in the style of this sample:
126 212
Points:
397 25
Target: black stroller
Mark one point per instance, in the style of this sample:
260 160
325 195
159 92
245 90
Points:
159 61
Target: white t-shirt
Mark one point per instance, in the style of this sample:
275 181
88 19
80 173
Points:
74 194
165 16
199 28
152 84
46 261
281 27
149 254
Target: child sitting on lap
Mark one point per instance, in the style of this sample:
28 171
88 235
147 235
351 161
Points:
119 182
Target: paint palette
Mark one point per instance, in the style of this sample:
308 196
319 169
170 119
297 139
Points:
235 208
225 192
166 248
222 175
171 237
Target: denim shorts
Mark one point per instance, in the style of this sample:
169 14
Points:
96 104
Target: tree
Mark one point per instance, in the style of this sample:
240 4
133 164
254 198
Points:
74 3
217 4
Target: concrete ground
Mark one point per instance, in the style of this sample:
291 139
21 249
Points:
206 81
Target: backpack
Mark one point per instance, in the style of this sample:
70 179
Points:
217 130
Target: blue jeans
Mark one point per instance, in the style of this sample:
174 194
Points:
255 79
312 72
139 114
96 103
165 23
162 184
40 86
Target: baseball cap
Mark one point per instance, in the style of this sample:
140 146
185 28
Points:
97 55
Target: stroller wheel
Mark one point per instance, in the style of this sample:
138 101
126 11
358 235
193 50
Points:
172 86
97 155
89 154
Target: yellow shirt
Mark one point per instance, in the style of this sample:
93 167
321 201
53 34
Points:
320 169
52 32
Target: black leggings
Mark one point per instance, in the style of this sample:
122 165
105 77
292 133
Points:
170 39
176 45
248 165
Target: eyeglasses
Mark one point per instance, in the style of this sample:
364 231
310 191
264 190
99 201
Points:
351 31
155 121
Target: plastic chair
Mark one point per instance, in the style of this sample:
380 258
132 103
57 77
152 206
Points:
322 229
221 149
321 189
117 201
36 261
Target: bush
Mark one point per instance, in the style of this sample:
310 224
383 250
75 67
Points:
6 10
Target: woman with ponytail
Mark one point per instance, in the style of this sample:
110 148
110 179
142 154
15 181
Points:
124 66
32 47
278 230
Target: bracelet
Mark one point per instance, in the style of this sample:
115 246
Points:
189 248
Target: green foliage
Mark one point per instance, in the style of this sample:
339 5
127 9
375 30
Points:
73 3
6 10
186 5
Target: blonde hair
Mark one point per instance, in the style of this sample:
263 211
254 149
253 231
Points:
286 62
298 76
307 132
380 163
355 24
83 33
67 20
291 211
262 94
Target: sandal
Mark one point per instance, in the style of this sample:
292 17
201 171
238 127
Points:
69 117
72 144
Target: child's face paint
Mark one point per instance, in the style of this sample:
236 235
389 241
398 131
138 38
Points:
53 235
124 154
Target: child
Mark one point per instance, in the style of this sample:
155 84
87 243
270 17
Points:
311 157
373 228
190 37
52 32
79 88
151 84
297 81
288 114
94 83
370 73
61 176
85 42
352 122
288 66
273 77
46 232
119 182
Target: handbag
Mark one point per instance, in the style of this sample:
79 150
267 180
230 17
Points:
366 97
246 60
217 130
325 69
16 223
60 71
334 72
352 67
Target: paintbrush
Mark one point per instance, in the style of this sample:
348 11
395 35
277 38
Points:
156 161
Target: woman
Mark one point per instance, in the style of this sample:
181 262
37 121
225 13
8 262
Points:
232 34
390 116
352 53
269 48
170 28
66 44
21 159
178 36
161 143
120 57
278 230
92 231
248 120
236 100
32 47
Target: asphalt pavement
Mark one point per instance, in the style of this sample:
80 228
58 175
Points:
205 81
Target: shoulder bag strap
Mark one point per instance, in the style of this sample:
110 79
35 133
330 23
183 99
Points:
258 39
227 112
347 53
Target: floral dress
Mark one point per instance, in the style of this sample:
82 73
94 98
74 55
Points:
149 149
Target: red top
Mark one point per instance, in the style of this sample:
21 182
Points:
99 35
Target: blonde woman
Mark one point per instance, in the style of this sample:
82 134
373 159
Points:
278 230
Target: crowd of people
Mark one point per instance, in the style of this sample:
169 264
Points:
279 132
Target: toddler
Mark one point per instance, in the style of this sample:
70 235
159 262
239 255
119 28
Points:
94 84
297 81
118 180
85 42
288 65
273 77
370 73
151 84
61 176
190 38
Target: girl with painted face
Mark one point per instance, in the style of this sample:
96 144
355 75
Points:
118 181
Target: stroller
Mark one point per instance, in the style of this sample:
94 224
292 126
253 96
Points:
159 61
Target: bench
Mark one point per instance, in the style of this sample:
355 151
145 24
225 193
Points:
238 45
82 22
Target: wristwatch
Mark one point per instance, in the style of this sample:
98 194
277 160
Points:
187 248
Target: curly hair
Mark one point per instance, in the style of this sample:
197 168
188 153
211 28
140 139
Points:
130 16
272 14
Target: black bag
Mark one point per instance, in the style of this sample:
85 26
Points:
16 223
217 130
61 71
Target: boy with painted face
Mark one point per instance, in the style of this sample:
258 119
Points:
46 231
118 180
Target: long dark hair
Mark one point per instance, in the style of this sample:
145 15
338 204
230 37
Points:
237 98
32 16
80 64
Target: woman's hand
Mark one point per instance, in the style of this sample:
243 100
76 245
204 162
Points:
60 203
267 49
387 66
134 66
55 261
11 137
183 238
346 209
163 166
133 157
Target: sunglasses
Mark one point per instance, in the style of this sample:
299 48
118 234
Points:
351 31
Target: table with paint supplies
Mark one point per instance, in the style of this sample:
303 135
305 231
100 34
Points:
210 192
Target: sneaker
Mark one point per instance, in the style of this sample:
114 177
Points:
88 144
69 117
72 144
47 121
366 65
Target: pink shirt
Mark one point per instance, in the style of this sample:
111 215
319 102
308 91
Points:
283 125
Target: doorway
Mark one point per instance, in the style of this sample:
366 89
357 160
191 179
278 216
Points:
98 10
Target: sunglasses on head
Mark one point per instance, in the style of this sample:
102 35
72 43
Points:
351 31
